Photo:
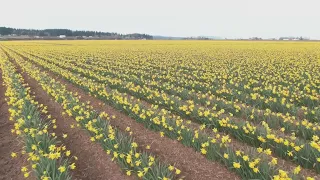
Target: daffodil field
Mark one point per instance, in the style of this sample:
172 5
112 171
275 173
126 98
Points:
47 158
252 109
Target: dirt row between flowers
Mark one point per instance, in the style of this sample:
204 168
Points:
93 163
10 168
192 164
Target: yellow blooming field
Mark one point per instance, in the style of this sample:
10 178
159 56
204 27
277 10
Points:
163 109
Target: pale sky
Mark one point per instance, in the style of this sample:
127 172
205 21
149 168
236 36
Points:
224 18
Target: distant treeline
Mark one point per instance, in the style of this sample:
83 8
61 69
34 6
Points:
69 33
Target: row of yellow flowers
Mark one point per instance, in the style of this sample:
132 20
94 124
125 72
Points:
120 145
48 159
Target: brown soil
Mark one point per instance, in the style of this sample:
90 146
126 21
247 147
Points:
93 163
10 168
192 164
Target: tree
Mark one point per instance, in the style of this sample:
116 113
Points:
6 31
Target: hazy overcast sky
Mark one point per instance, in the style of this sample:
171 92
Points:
225 18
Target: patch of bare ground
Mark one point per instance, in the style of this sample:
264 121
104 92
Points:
93 163
10 168
192 164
